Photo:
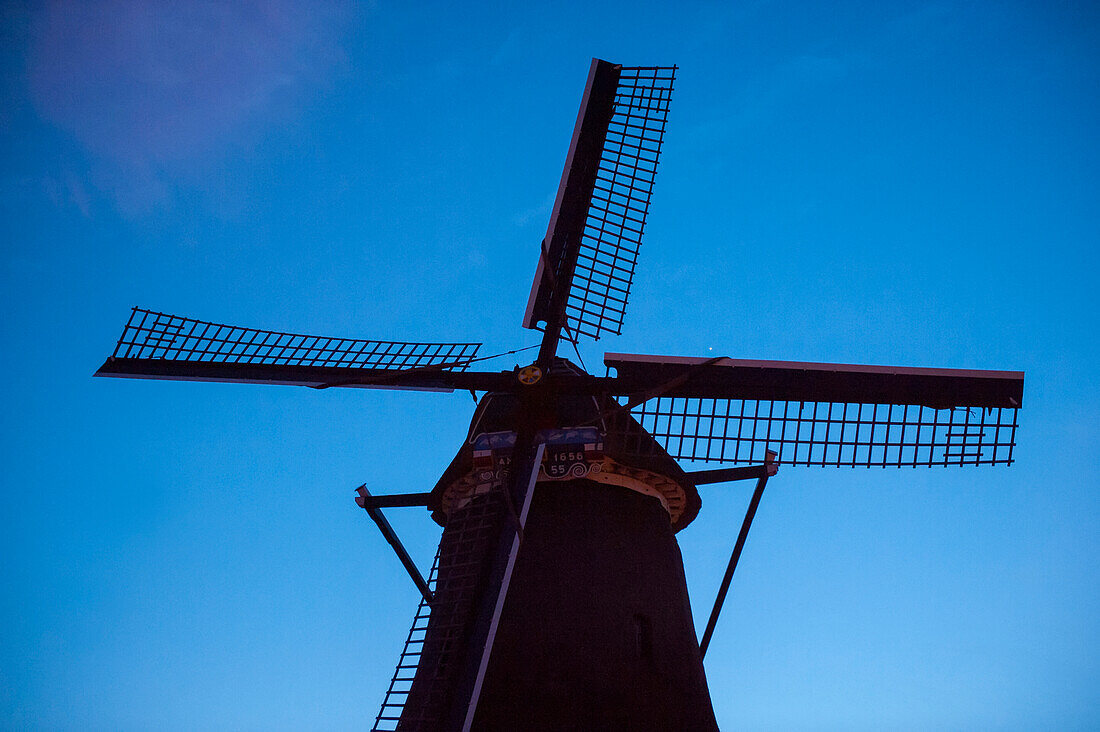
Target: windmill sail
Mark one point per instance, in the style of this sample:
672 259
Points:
160 346
726 410
586 265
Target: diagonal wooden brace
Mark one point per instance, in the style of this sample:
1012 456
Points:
371 505
770 469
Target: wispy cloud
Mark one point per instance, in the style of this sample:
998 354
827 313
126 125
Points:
150 89
538 212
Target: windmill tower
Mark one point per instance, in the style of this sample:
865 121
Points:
557 599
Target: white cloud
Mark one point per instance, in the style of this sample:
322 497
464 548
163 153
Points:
152 89
538 212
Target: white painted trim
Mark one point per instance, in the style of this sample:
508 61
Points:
609 359
503 593
528 316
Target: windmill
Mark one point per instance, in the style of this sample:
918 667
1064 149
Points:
557 598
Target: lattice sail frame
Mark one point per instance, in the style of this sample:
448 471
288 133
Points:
821 433
159 336
619 205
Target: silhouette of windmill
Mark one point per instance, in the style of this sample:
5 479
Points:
557 599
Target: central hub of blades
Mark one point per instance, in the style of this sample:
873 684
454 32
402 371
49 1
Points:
529 375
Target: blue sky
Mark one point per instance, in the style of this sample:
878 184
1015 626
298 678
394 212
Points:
889 183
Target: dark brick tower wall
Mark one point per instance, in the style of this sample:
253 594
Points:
596 632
